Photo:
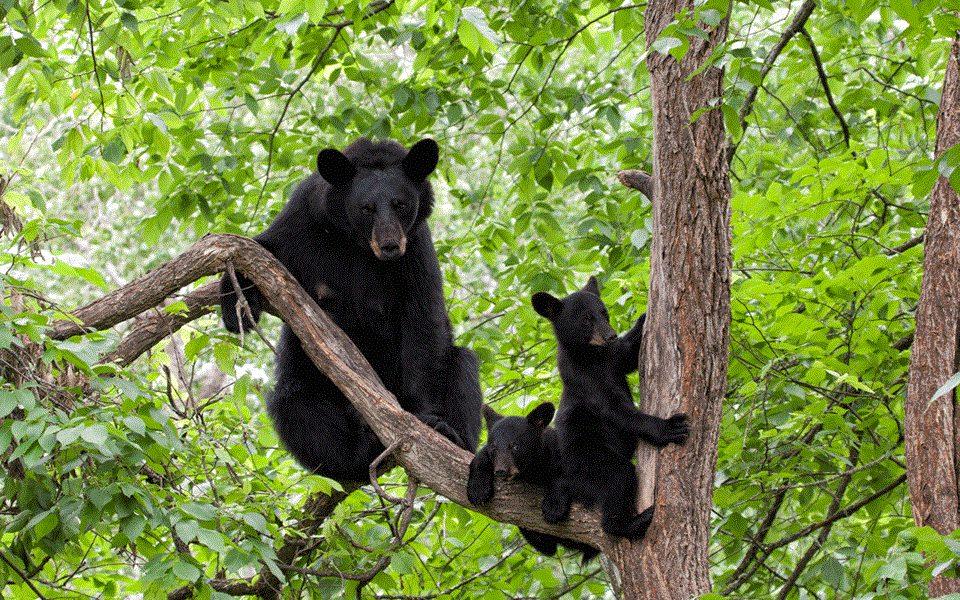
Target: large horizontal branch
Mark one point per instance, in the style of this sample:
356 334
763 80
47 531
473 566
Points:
425 454
153 326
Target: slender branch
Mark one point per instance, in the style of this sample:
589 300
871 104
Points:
839 514
799 20
826 86
93 55
817 544
153 326
377 7
23 576
366 576
373 473
904 342
906 245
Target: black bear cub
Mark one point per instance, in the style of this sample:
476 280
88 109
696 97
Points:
597 424
524 448
355 236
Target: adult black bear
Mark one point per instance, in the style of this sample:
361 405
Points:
524 448
597 424
355 235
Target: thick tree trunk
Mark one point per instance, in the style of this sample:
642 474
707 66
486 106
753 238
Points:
931 438
684 363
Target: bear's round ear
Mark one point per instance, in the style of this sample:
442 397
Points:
490 416
546 305
421 160
592 286
541 415
334 167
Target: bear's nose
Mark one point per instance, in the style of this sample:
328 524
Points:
389 250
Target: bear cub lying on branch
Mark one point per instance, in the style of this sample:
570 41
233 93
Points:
598 425
355 236
524 448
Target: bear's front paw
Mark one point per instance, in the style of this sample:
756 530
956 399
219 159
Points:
555 508
444 429
639 524
479 490
677 429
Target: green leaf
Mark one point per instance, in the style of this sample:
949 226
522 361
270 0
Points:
27 44
135 424
947 387
906 10
256 521
478 19
469 36
94 434
129 21
664 45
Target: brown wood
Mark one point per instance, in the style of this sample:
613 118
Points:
684 363
931 432
425 454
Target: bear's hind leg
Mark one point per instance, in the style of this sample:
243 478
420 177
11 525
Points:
315 422
618 498
556 501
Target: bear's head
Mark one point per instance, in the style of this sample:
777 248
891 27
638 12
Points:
580 320
517 441
379 191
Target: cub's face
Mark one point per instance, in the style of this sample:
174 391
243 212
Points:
515 444
580 319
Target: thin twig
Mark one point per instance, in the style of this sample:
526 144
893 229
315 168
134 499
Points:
373 473
245 307
96 70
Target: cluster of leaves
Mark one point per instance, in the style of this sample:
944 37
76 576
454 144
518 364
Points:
134 127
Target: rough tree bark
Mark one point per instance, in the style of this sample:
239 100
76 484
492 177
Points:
932 435
684 363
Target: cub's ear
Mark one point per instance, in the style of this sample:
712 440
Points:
421 160
334 167
542 415
546 305
592 286
490 416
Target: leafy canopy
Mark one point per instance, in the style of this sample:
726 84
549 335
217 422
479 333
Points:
132 128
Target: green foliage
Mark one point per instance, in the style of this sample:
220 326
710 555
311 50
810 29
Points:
130 129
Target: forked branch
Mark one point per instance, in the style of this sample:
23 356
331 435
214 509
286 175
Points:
425 454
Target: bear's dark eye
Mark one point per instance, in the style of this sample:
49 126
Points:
514 447
368 209
399 205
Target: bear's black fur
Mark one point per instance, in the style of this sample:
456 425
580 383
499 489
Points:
524 448
598 426
355 235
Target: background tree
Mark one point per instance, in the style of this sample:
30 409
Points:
931 434
130 130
